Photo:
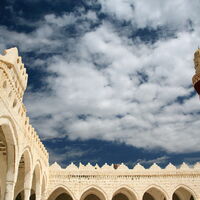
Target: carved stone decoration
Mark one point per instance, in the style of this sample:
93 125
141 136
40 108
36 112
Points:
122 167
170 167
71 167
138 167
55 166
184 166
196 77
155 167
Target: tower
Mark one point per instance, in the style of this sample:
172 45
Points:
16 71
196 77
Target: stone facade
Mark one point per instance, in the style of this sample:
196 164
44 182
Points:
24 162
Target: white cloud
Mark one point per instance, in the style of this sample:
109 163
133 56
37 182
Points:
154 13
148 110
125 90
69 154
159 160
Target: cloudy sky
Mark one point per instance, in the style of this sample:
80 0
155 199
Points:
109 80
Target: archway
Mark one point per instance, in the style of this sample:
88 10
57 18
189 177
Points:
124 194
60 194
24 174
183 193
7 157
93 194
43 189
36 181
154 193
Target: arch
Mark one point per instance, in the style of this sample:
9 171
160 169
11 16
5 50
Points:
36 178
24 171
155 192
59 190
9 132
183 192
28 156
8 156
38 167
44 184
127 191
95 190
12 136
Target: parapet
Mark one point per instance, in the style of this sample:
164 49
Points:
16 69
123 170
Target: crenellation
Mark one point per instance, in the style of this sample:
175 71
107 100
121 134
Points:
184 167
170 167
155 167
138 167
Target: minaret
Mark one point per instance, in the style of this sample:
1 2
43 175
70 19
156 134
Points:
196 77
16 71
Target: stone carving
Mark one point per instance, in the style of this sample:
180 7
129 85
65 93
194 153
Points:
197 61
170 167
196 77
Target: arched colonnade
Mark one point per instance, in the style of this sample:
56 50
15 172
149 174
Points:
124 193
21 178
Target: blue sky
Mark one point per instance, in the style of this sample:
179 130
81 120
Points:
109 80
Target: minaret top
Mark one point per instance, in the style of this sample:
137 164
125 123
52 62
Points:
10 56
197 61
16 68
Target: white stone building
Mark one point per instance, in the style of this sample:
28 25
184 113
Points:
24 162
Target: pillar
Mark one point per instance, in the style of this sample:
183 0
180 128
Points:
27 185
10 187
27 193
43 197
38 197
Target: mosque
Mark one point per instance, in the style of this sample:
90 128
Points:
25 173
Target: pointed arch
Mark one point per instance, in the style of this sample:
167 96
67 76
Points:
155 192
183 192
127 191
24 169
38 167
36 177
95 191
8 164
26 153
60 189
12 135
9 132
44 184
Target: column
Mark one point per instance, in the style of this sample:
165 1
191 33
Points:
27 193
38 197
9 194
43 197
